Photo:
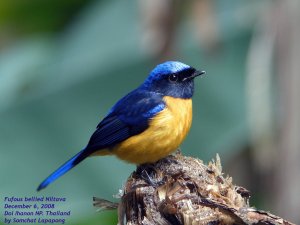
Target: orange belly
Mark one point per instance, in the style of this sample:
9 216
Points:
165 133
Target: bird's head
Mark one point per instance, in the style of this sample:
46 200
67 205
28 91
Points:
173 79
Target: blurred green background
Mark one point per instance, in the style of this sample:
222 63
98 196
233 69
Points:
64 63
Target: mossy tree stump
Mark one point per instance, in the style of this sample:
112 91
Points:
183 190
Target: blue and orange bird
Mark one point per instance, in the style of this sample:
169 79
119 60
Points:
147 124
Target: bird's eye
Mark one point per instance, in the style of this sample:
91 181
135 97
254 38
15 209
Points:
173 77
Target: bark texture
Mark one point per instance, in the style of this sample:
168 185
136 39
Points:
183 190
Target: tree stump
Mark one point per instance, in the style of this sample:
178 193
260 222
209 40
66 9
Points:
182 190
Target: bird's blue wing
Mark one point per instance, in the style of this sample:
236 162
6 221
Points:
130 116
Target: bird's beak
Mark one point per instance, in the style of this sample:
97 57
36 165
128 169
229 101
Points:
193 75
197 73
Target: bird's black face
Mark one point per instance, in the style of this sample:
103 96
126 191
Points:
173 79
177 85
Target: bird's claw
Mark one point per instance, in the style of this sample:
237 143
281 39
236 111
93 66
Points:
147 173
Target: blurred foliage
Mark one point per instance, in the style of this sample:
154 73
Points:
32 16
56 86
98 218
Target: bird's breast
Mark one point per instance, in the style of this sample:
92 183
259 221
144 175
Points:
165 133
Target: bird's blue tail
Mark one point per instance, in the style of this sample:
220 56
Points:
63 169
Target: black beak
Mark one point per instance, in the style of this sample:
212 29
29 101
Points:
197 73
194 74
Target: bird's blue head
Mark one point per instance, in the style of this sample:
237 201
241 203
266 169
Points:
173 79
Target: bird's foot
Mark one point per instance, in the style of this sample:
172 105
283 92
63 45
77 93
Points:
169 160
147 173
178 152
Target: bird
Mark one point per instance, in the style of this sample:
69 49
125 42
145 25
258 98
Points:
147 124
